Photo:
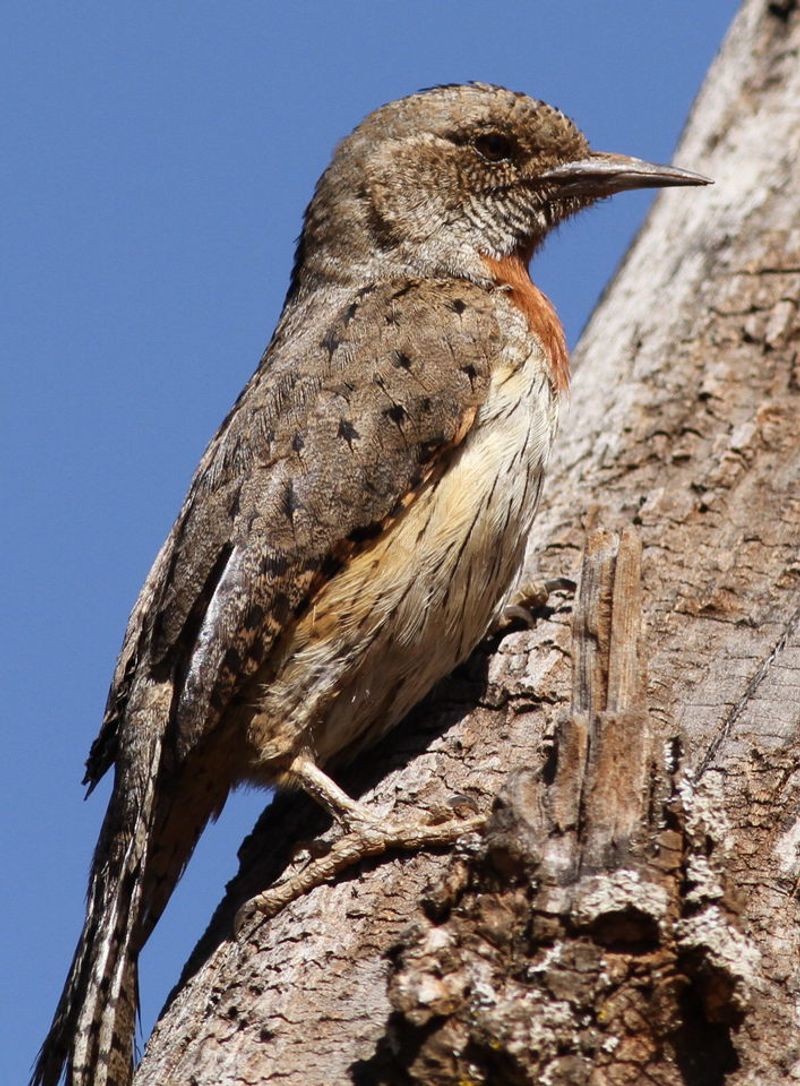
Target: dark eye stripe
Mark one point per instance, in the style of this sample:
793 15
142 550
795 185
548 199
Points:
494 147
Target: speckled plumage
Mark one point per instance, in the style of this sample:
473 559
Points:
359 518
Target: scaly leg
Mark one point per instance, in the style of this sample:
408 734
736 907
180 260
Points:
347 811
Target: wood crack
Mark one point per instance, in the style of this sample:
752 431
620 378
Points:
756 680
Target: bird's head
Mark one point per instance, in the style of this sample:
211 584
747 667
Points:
432 183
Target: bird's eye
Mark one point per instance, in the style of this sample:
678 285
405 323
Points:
493 147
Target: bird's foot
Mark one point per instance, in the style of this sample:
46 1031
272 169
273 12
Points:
369 835
528 601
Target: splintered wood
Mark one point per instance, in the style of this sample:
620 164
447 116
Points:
606 778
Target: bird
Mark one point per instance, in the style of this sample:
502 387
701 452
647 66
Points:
359 520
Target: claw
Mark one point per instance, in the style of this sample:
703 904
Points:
529 600
561 584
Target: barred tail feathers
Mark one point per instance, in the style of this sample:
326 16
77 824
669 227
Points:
154 820
92 1033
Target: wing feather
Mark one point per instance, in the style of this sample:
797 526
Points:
346 417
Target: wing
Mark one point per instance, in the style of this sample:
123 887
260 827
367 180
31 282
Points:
343 422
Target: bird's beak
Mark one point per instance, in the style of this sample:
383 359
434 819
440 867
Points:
602 174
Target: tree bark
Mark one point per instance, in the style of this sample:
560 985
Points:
630 912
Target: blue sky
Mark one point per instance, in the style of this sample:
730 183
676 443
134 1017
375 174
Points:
156 161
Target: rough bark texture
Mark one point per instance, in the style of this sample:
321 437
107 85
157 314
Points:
630 913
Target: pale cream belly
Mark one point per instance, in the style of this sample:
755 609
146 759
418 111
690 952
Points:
406 610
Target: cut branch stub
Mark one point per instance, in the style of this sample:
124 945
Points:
586 940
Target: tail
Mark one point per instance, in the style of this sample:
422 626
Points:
150 829
93 1027
154 819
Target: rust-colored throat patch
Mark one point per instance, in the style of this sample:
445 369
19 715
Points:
512 271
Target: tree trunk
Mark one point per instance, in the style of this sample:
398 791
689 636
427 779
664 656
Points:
629 914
